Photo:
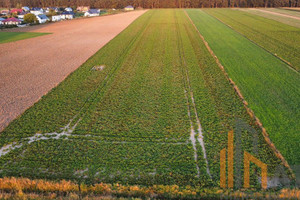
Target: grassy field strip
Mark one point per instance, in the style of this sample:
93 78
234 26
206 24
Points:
250 112
280 39
15 36
67 135
268 85
282 19
211 76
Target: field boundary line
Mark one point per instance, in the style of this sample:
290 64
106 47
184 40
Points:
249 111
273 54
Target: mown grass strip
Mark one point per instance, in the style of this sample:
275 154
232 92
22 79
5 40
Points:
15 36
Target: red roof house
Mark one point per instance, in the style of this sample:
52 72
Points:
16 11
11 21
4 12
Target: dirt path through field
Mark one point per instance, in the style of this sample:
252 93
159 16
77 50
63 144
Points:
279 14
30 68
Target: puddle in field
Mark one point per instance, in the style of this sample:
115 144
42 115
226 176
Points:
65 134
200 140
98 68
199 130
67 130
193 140
200 136
192 135
7 148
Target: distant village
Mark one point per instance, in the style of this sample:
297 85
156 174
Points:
21 17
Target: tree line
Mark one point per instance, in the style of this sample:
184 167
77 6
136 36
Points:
150 3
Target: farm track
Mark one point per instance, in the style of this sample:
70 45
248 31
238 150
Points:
28 75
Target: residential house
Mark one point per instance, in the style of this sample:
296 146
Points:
128 8
83 8
92 13
16 11
37 11
67 15
69 9
42 18
55 9
11 21
56 18
4 12
21 15
26 9
1 19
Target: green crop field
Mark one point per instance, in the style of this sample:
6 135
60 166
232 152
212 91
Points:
279 18
156 110
271 88
280 39
15 36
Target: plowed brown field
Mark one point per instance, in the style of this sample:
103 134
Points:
30 68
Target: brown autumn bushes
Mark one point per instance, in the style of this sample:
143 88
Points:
24 188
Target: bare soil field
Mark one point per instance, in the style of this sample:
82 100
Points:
30 68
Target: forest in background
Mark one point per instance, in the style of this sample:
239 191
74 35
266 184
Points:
151 3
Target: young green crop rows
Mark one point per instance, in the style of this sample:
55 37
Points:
280 39
271 88
136 121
